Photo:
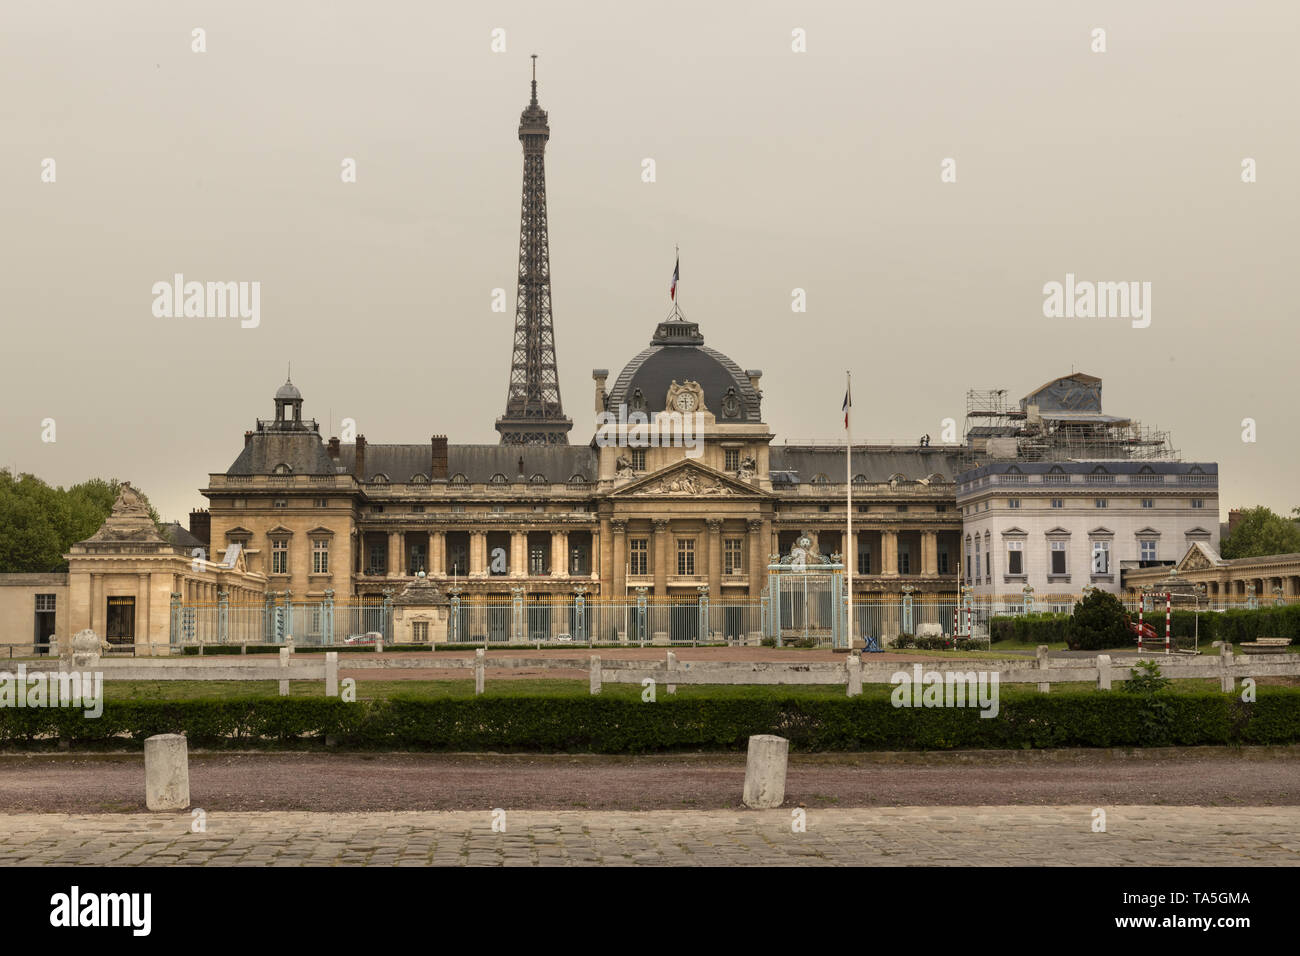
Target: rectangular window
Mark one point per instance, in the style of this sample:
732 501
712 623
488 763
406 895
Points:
1013 502
1058 502
731 554
1148 503
638 458
280 556
322 502
498 509
1198 502
378 559
420 631
45 602
1015 557
536 561
1100 502
415 559
864 562
1101 557
685 557
1058 558
458 509
904 562
732 456
902 507
417 509
320 556
940 508
376 509
280 503
977 559
639 556
943 563
1148 550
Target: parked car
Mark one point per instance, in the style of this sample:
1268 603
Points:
370 637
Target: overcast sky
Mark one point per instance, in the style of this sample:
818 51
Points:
775 170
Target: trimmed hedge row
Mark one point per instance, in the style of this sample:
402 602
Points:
1236 625
620 725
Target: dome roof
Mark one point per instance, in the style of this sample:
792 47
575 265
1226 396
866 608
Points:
288 392
677 353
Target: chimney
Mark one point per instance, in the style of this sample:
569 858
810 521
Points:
1234 518
438 457
360 467
334 449
598 376
248 439
201 526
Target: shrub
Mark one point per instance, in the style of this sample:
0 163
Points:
904 641
1039 628
609 724
1099 621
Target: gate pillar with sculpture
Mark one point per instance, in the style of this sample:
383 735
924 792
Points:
805 597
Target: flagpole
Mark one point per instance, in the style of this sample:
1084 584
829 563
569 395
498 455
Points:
850 552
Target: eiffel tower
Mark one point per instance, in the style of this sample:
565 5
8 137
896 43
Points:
534 415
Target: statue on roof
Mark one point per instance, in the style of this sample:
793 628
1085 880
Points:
129 502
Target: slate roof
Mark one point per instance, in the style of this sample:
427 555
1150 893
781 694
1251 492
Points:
876 463
478 463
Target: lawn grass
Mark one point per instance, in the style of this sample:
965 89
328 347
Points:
380 689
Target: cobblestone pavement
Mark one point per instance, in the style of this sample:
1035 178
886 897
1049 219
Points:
1141 835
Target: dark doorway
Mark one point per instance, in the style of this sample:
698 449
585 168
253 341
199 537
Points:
45 624
121 620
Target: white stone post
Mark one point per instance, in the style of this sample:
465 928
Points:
331 673
672 665
595 674
166 772
478 671
284 671
1227 683
1103 672
1043 686
854 665
765 771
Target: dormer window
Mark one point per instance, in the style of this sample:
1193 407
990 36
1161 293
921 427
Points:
458 481
282 469
498 479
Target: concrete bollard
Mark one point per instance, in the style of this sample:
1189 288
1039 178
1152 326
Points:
379 646
1043 665
1227 683
765 771
672 666
166 772
595 673
331 673
1103 672
479 668
854 665
284 669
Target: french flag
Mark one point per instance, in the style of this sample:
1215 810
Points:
848 403
672 289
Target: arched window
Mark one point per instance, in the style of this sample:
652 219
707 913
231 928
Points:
458 481
420 479
498 479
820 479
379 479
538 479
283 469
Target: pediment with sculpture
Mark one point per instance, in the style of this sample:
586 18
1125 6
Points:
686 480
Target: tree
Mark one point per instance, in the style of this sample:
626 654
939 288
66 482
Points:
1259 532
38 524
1098 621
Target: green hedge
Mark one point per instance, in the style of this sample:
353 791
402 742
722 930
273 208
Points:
1029 628
621 725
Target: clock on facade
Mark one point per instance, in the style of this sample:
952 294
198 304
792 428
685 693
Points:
686 402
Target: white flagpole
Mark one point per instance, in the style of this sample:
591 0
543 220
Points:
850 552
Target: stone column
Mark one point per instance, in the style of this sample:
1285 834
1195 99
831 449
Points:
518 554
757 570
559 554
929 552
437 553
477 553
714 565
661 557
615 582
889 552
395 561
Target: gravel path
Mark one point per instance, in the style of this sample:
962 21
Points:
335 782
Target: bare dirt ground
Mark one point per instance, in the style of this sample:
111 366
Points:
335 782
